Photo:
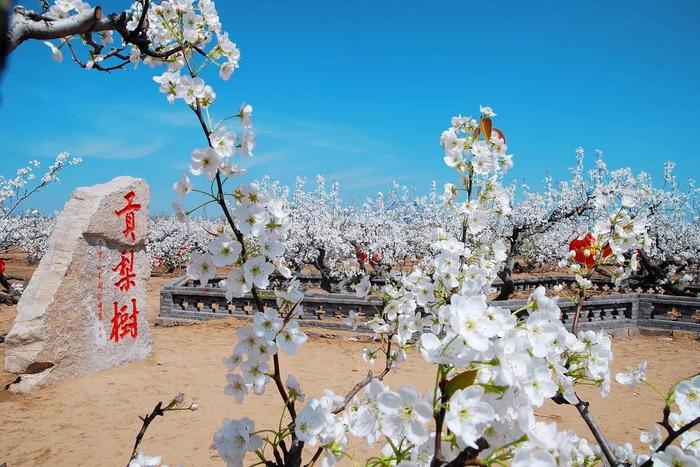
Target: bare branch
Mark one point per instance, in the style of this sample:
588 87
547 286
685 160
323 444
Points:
26 24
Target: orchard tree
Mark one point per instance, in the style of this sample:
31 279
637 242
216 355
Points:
493 367
26 230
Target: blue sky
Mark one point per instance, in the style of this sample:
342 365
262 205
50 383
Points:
361 90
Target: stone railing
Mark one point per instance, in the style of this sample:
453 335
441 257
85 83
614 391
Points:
622 314
520 284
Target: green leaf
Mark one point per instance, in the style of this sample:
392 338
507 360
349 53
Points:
461 381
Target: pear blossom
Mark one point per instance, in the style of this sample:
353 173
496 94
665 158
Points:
202 269
244 114
142 460
673 456
55 52
183 187
363 287
633 376
224 251
467 415
205 162
404 413
236 387
257 272
687 396
223 142
290 338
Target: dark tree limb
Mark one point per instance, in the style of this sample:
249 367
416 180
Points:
582 408
157 412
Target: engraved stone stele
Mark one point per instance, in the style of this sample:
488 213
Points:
64 323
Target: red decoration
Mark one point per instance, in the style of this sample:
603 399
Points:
580 245
129 219
2 266
376 258
123 322
362 256
126 271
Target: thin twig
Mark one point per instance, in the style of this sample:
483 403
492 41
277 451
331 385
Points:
157 412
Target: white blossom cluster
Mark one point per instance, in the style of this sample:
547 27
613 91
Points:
28 229
494 367
685 398
171 243
614 242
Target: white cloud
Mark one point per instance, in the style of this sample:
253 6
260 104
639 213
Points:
100 148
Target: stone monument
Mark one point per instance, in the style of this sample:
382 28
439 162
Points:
85 308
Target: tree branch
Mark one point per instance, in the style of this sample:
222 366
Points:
26 24
157 411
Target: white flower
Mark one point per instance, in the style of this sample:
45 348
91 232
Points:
266 325
182 187
190 89
652 438
271 247
180 212
282 268
201 268
352 320
143 460
526 457
257 272
255 372
404 413
55 52
235 438
290 338
540 385
205 161
223 142
94 60
468 319
251 219
690 440
467 414
446 351
293 389
369 356
583 282
235 284
633 376
225 251
236 387
227 69
673 456
687 395
244 114
486 111
362 289
310 422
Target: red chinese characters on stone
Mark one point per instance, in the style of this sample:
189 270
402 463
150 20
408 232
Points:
129 217
124 323
125 320
125 269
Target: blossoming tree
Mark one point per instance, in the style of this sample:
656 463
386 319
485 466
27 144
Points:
29 229
493 367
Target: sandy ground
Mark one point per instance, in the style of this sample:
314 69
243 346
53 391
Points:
93 420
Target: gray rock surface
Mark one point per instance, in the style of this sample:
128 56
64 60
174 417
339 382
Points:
58 332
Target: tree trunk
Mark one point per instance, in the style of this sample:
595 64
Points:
506 274
654 275
324 270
